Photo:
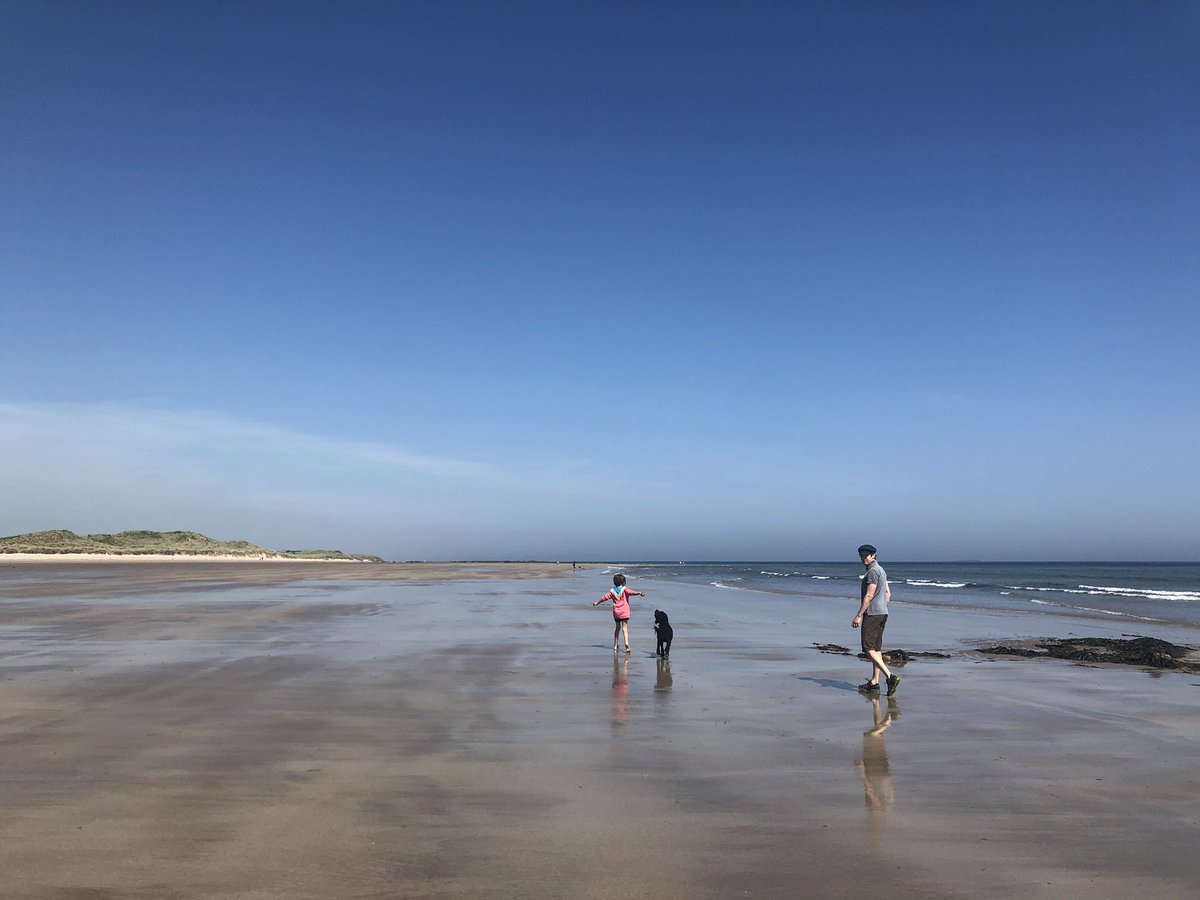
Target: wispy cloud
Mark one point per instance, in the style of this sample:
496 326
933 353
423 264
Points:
133 432
109 467
99 467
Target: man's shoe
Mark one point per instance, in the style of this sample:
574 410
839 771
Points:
868 688
893 683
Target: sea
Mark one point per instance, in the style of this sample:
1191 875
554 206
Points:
1164 593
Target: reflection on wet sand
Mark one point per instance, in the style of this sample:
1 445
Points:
662 675
878 789
620 691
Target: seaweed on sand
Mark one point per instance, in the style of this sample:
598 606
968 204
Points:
1131 651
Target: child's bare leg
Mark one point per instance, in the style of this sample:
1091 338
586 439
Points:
616 635
625 632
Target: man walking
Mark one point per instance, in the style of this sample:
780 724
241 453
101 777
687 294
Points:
872 616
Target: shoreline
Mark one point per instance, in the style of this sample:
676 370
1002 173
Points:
231 558
159 557
57 577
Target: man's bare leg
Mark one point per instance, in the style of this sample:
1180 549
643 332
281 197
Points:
878 666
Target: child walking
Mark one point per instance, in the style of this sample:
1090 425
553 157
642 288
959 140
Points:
619 596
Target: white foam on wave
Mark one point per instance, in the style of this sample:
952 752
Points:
1141 592
1106 612
821 577
938 584
728 587
1048 590
1101 591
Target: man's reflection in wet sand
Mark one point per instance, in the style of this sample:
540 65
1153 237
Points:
620 691
873 767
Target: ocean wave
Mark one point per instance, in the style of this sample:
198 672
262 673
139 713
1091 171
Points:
1101 591
1049 590
1141 592
938 584
820 577
728 587
1106 612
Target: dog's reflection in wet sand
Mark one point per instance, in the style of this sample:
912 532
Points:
662 675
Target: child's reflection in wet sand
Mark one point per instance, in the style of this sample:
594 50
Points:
620 691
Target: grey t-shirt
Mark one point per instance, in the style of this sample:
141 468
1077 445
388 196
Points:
876 576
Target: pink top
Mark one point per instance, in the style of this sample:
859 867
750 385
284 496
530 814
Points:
620 601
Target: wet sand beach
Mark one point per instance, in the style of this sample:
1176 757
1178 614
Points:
177 730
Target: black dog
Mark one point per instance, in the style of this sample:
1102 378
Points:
664 631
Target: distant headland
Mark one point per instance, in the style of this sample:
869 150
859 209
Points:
160 543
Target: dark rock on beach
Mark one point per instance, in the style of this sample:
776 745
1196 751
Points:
833 648
905 655
891 657
1135 651
1004 650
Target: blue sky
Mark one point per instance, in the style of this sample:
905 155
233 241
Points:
604 280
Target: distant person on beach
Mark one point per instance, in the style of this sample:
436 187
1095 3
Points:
619 596
872 617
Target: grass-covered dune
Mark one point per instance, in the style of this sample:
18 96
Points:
164 543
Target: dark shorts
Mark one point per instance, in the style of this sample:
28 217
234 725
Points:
872 632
